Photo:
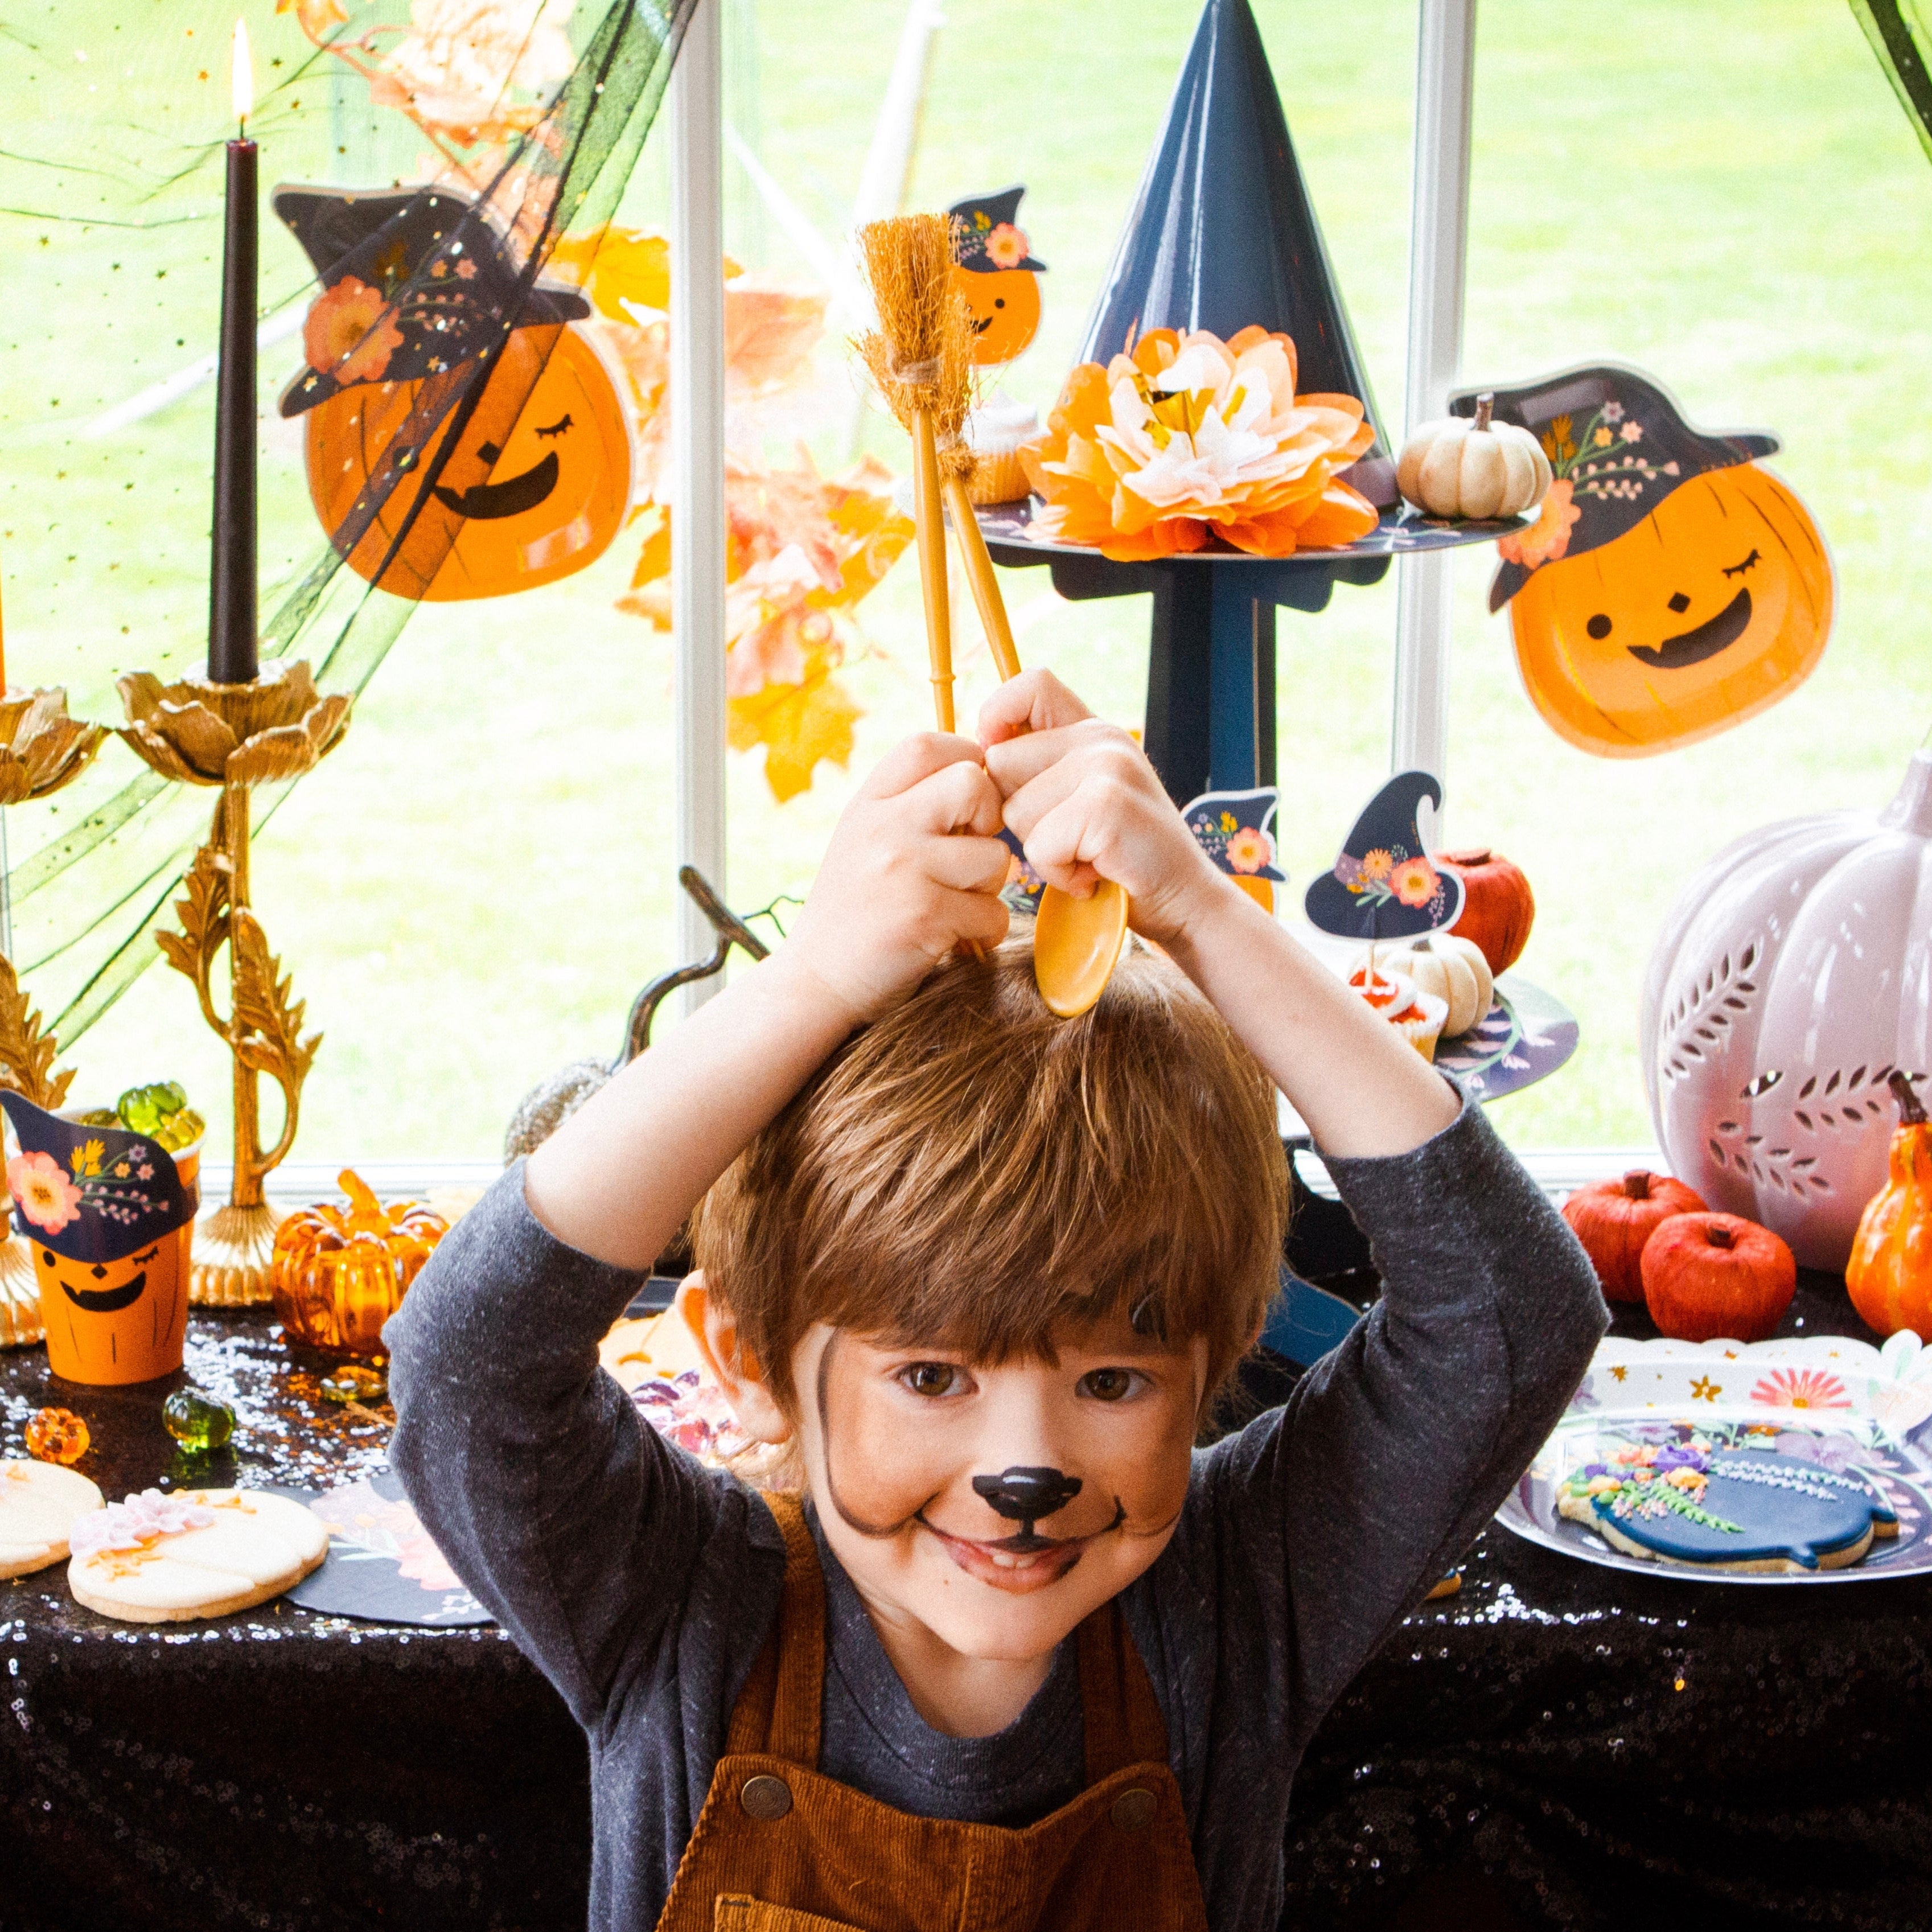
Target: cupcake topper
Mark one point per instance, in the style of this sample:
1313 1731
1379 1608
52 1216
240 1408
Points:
1236 829
994 274
1383 884
91 1194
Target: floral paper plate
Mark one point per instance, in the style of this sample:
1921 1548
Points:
1527 1035
1843 1404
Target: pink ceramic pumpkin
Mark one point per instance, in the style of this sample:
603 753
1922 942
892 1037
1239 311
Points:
1794 974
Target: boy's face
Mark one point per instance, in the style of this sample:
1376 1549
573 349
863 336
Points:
996 1506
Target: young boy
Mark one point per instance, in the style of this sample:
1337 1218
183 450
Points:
1024 1657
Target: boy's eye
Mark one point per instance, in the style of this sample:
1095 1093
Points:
932 1379
1107 1385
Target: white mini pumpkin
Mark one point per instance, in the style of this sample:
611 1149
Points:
1473 467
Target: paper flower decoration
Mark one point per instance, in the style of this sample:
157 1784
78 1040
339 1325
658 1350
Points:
1190 437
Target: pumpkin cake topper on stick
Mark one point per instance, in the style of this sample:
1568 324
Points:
920 357
1670 587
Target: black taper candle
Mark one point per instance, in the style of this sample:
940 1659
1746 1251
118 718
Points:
231 601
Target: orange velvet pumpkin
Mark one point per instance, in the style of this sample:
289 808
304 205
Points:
537 488
1498 908
1708 1276
1889 1275
1614 1219
339 1275
1713 607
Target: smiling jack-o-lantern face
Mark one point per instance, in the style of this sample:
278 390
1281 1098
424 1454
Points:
118 1321
1710 609
532 493
1004 304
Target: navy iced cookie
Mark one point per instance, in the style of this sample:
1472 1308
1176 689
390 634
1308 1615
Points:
1728 1509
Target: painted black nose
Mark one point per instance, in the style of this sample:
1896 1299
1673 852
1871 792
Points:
1024 1495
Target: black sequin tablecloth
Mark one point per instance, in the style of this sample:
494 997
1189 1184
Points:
1559 1745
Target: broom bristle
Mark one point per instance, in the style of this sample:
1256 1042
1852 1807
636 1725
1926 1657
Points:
920 355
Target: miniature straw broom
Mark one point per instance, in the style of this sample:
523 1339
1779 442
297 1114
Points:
920 356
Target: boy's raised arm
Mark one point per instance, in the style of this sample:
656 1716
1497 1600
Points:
529 1466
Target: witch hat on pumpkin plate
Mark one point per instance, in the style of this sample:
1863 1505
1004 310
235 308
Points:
1619 439
1671 586
414 282
1223 234
1383 884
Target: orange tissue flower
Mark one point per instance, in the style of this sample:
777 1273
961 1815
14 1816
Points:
1190 437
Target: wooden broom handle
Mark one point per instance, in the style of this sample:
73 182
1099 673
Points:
986 597
929 524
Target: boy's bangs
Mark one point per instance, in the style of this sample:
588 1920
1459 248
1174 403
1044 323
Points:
972 1173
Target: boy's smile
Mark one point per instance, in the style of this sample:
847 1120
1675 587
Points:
1018 1564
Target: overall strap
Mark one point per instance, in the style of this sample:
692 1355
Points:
1119 1712
779 1711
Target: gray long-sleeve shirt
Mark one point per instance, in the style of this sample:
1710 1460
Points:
642 1584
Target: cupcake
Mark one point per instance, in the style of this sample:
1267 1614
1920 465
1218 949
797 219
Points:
1417 1015
995 432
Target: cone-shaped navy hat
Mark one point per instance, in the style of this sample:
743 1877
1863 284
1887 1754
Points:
91 1194
446 282
1384 885
1618 440
1223 234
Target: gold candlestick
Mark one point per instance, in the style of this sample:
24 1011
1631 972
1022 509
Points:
42 751
237 737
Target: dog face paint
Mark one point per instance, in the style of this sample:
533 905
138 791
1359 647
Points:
894 1436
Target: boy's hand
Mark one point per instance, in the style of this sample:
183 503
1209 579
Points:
1081 795
913 870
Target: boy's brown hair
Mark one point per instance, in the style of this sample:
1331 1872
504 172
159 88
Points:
970 1172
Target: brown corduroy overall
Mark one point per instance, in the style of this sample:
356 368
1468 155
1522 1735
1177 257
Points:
780 1848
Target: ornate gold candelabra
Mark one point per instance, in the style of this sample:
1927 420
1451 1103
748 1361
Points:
42 750
237 737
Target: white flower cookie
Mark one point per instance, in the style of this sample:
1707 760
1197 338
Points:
39 1504
157 1558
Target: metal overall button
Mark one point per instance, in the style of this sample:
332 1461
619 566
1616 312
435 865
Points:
1133 1809
765 1797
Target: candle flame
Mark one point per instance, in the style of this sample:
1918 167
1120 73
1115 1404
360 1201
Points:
244 74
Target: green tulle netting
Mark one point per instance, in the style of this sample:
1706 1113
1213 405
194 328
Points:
110 204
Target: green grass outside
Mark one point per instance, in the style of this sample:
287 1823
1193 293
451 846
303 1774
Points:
470 891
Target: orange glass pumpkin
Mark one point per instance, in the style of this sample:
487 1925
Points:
1708 1276
1707 612
1498 908
1614 1219
1889 1275
536 489
340 1274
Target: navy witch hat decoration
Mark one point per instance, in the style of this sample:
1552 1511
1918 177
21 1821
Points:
1223 234
451 288
1619 439
92 1194
981 216
1383 884
1236 829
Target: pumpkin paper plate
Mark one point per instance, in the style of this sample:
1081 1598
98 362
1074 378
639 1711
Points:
1857 1416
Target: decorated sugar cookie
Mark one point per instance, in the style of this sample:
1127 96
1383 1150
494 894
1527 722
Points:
39 1504
1697 1501
157 1558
